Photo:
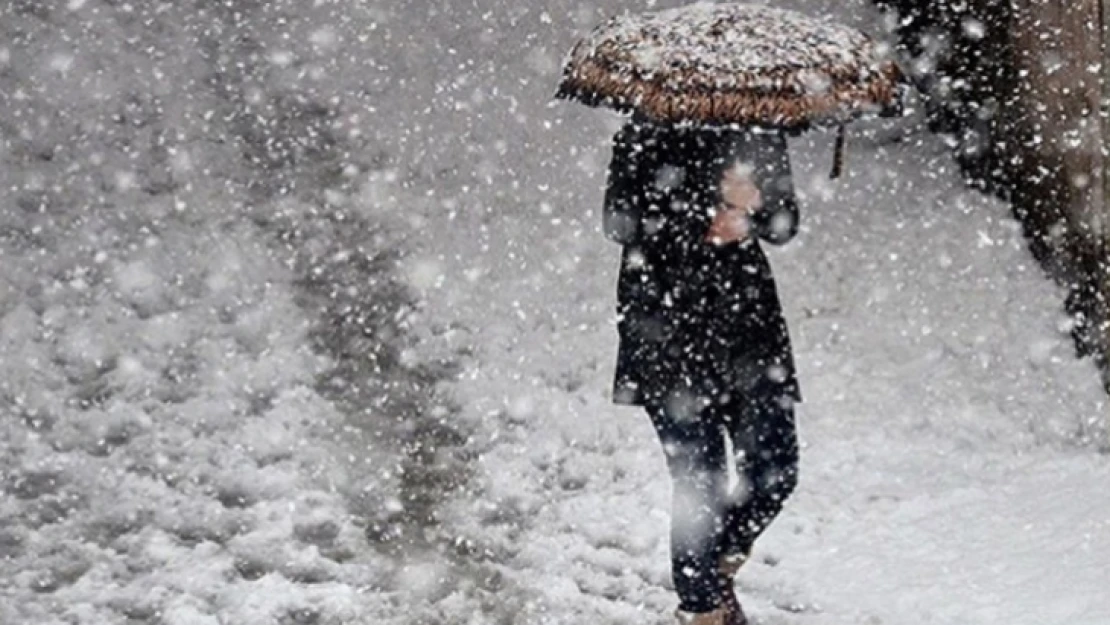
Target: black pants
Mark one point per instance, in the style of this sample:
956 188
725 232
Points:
708 521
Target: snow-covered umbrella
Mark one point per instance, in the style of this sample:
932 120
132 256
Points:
732 63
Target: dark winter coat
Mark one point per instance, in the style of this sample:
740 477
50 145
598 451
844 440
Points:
697 321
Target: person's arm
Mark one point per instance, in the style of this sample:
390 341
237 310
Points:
776 220
622 214
757 187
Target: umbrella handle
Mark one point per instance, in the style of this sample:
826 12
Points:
838 154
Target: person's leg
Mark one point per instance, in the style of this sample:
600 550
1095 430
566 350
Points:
766 447
695 450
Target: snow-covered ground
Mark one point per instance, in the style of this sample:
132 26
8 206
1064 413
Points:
192 432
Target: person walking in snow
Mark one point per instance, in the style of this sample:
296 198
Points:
699 176
704 347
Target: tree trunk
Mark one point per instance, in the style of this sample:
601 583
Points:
1024 84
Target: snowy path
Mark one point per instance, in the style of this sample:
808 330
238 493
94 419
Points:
949 473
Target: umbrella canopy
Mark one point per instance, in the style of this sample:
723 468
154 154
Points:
732 63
